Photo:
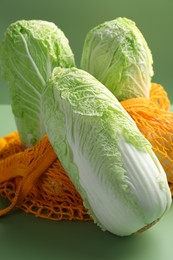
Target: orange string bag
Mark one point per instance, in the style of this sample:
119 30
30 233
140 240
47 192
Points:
155 122
34 180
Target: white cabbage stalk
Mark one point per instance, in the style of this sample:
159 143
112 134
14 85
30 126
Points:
110 162
117 54
28 53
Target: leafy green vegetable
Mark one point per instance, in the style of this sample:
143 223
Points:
28 53
117 54
109 161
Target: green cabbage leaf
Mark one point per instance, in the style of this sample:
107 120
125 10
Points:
28 53
117 54
109 161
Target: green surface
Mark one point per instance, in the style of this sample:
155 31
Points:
154 19
23 236
7 120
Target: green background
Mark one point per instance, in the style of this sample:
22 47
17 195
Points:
76 17
22 236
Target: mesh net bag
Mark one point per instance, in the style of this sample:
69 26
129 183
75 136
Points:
155 122
34 180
